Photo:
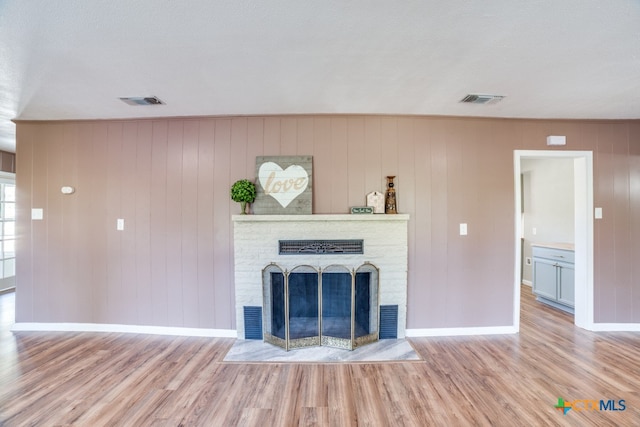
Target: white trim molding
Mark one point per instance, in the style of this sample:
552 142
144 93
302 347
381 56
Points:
454 332
128 329
615 327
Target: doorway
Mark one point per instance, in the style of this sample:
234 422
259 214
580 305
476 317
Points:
583 230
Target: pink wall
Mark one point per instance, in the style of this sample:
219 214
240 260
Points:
7 162
170 178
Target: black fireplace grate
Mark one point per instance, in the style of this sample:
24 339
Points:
321 247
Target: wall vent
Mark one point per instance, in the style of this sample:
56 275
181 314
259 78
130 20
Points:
320 247
139 100
388 322
252 322
481 99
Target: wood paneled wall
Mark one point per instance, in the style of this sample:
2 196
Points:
170 178
7 162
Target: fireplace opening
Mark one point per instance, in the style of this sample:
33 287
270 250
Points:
331 306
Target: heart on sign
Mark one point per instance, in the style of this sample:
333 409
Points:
283 185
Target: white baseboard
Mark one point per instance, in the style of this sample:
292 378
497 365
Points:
231 333
130 329
444 332
527 282
614 327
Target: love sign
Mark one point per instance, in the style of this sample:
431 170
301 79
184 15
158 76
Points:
283 185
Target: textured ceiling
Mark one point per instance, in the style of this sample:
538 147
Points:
73 59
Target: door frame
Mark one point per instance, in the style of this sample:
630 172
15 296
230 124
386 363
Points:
583 231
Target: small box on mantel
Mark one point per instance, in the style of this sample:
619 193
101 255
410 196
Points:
375 199
361 209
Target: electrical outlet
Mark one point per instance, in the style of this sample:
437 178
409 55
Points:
527 260
463 229
37 214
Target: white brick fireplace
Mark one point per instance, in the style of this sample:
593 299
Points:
256 245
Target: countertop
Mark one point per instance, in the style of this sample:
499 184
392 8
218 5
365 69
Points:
555 245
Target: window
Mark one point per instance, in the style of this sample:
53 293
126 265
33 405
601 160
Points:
7 233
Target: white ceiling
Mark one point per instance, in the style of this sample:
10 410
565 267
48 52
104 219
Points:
73 59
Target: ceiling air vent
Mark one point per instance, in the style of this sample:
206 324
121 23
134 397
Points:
481 99
139 100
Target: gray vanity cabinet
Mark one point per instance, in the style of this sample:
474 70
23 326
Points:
553 276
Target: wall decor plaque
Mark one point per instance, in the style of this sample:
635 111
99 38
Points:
284 185
361 209
375 199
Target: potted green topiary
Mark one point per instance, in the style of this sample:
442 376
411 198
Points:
243 191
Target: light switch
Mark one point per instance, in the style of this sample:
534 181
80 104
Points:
534 231
598 213
463 229
120 224
37 213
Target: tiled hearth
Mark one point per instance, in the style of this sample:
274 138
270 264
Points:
381 351
256 245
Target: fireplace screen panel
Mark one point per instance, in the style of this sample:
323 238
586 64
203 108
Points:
303 307
337 306
333 306
273 291
366 305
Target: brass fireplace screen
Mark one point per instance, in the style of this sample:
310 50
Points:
331 306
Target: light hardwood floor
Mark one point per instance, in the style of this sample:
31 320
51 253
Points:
99 379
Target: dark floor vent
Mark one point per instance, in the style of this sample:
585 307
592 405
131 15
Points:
252 322
388 322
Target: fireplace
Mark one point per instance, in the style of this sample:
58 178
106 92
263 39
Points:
332 306
328 291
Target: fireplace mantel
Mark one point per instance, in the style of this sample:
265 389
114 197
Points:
256 240
320 217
